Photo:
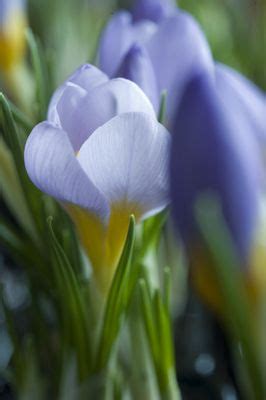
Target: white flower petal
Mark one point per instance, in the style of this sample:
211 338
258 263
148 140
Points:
52 166
127 159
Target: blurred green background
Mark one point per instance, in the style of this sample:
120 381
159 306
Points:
236 30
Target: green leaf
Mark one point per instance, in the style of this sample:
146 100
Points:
167 287
117 301
20 249
152 228
11 134
148 315
142 377
13 141
158 329
13 193
75 322
164 331
162 110
20 117
41 74
32 385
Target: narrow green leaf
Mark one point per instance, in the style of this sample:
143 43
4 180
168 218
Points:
152 228
73 304
162 110
32 385
20 117
158 330
18 246
164 332
40 72
167 288
11 134
13 193
12 138
149 321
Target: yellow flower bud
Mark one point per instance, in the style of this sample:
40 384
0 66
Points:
12 39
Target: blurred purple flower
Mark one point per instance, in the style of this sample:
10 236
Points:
154 10
173 50
249 100
104 156
215 151
138 68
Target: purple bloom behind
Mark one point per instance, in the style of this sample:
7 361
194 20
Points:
154 10
173 50
138 68
215 153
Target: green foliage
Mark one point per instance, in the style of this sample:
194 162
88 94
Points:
236 33
40 74
75 323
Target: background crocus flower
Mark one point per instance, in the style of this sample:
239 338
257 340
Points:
154 10
214 152
250 101
175 50
12 38
117 38
104 156
138 68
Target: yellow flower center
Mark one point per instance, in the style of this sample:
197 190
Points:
104 244
12 41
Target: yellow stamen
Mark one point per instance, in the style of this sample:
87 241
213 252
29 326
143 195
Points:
12 41
205 279
104 244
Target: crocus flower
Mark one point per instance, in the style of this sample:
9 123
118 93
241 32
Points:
138 68
104 156
154 10
173 50
12 40
249 100
214 151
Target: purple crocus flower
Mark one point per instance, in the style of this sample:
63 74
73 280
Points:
154 10
249 100
104 156
173 50
214 151
138 68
